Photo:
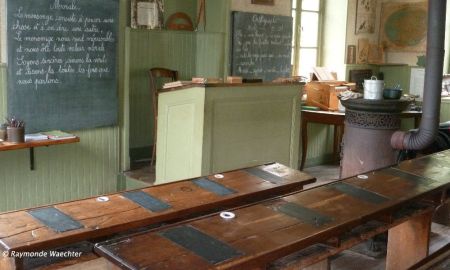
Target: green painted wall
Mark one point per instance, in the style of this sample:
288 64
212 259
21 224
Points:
320 145
445 111
397 75
3 72
217 16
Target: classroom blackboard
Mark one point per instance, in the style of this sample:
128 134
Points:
62 63
261 46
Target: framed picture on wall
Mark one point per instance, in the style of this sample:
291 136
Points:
363 51
375 54
351 55
365 16
147 14
263 2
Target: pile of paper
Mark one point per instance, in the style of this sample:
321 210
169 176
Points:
35 137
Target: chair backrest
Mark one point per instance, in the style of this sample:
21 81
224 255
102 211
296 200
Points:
157 76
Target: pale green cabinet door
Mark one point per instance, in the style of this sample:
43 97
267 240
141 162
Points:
179 134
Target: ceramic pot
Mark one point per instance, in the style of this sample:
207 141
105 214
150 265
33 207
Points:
373 88
15 134
392 93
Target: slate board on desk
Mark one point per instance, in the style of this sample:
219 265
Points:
261 45
62 63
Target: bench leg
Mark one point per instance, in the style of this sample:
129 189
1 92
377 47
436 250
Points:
8 263
97 264
442 215
408 242
322 265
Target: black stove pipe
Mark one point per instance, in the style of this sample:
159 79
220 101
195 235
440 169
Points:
433 83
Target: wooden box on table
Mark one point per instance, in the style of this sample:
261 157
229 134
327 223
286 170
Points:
323 94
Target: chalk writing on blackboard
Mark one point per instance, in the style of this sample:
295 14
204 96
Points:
62 63
45 51
261 46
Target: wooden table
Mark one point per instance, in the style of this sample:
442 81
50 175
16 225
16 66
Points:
337 120
104 216
402 199
322 117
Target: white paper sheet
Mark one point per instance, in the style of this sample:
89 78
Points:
147 14
417 81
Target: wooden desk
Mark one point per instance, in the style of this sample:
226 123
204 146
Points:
337 120
20 231
224 126
7 146
262 233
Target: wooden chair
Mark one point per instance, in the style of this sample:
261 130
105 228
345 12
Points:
157 76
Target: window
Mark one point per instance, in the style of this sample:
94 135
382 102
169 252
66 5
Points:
306 35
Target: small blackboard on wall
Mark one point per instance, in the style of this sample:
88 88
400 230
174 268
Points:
261 46
62 63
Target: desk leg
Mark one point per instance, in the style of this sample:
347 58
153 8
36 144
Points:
304 143
32 158
408 242
337 140
340 137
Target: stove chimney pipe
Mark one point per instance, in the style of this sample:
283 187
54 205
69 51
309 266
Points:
433 83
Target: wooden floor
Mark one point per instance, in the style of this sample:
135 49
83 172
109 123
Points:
324 174
350 259
142 171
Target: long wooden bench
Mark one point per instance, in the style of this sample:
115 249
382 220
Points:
71 222
264 232
317 255
438 260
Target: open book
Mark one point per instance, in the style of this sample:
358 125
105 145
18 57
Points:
323 74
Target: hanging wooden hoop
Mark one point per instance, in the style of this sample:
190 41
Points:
180 21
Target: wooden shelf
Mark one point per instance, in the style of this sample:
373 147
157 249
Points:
376 64
388 64
7 146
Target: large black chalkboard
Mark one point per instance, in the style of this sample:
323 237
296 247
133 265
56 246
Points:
261 45
62 63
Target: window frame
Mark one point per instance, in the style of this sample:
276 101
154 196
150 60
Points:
297 35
